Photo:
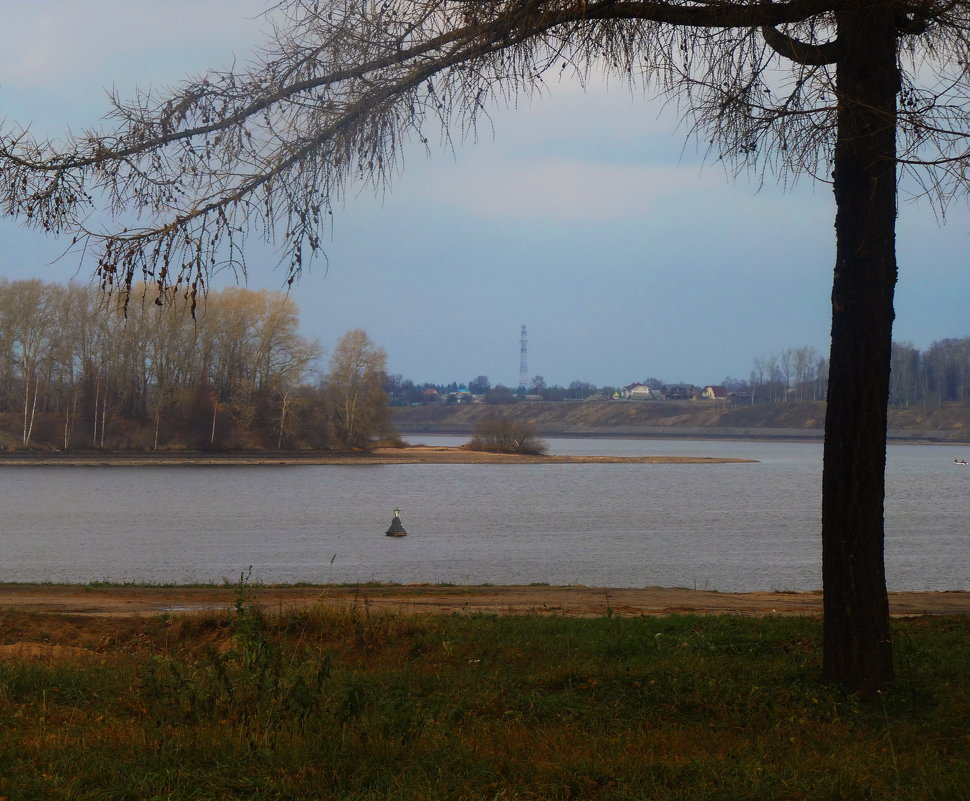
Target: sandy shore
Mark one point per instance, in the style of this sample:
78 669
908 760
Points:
572 601
415 454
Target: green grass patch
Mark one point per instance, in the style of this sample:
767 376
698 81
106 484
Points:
318 704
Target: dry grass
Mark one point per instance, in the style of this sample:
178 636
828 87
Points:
354 704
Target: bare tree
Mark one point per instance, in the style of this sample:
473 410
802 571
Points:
35 343
69 351
904 385
775 389
479 385
805 360
786 367
758 377
355 390
859 89
948 369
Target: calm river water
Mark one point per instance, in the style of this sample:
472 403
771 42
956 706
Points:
731 527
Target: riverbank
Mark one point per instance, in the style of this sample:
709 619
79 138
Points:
565 601
678 419
413 454
351 703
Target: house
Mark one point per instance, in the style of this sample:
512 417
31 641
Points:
636 392
713 392
680 392
641 392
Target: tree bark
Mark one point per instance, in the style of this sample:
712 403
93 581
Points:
857 644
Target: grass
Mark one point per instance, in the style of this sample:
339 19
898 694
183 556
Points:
323 704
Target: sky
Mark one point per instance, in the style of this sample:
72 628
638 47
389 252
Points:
585 215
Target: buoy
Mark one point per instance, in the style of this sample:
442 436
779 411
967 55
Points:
396 529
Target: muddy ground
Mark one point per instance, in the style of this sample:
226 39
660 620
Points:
575 601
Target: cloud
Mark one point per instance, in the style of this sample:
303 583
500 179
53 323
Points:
563 189
62 41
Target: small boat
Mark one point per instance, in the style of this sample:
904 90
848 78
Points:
961 462
396 529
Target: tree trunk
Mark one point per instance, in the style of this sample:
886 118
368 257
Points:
33 411
23 438
158 420
97 400
279 441
857 645
69 417
104 416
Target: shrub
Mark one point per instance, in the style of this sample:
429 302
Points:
498 434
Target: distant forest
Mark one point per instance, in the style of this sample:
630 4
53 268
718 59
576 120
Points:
79 370
938 375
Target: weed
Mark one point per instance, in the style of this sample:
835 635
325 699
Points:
353 704
251 683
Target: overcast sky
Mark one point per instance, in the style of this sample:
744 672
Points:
583 216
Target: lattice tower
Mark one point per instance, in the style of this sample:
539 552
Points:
524 362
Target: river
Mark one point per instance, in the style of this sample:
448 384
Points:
729 527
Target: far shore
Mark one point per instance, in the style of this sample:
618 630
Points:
413 454
696 433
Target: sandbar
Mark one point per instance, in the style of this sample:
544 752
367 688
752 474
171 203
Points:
414 454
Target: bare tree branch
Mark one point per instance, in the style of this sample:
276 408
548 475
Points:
342 86
800 52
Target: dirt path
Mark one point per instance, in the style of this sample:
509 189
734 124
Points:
437 599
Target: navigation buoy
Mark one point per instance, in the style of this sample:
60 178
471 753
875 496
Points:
396 529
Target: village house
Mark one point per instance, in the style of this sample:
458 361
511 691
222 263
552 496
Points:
680 392
642 392
460 395
674 392
636 392
713 392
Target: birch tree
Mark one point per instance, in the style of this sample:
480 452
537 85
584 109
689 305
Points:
355 390
853 91
36 332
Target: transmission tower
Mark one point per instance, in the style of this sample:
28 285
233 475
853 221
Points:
524 362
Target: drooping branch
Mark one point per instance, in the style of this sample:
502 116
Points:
346 83
530 18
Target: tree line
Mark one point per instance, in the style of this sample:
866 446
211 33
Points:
940 374
79 369
406 392
934 376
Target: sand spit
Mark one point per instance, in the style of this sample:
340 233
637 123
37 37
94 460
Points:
415 454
